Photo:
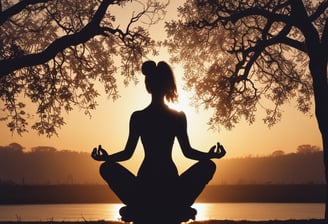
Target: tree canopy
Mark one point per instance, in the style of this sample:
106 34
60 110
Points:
53 53
243 55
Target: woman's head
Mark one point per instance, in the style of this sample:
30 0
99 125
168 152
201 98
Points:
160 79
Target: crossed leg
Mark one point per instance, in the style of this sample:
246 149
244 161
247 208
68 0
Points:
132 193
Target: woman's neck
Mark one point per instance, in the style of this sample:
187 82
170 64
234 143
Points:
157 100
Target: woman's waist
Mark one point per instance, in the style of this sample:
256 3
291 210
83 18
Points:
158 169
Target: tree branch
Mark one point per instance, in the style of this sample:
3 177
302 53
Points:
234 17
294 43
257 49
324 39
15 9
301 21
90 30
321 8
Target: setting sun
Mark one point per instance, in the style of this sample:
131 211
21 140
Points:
183 103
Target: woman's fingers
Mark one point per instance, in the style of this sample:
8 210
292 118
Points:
218 150
94 152
98 153
222 151
212 149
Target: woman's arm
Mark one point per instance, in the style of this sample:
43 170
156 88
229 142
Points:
216 151
101 154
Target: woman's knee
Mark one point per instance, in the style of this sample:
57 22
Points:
107 168
212 166
208 167
115 171
104 170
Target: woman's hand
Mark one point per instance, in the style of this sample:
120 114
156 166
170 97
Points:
217 151
99 154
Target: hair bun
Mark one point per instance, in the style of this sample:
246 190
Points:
148 68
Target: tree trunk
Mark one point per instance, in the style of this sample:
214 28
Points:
324 135
317 51
325 149
318 68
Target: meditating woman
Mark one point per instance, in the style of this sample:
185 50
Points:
158 189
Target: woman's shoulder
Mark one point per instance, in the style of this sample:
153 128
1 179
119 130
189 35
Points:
178 114
147 112
138 114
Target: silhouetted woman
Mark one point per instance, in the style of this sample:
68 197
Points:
158 186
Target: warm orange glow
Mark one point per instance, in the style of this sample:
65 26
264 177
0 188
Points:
109 127
109 123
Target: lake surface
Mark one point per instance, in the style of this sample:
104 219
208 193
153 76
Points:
205 211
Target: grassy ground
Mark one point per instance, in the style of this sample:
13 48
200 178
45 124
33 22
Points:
311 221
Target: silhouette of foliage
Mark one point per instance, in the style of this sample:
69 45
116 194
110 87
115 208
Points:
53 53
307 149
278 153
243 55
254 53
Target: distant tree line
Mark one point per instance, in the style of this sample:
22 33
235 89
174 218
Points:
48 166
305 166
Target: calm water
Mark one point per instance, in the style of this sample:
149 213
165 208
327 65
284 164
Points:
219 211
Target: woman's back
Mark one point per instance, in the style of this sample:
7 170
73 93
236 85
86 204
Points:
158 126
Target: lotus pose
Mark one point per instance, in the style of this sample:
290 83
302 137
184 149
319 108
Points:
158 187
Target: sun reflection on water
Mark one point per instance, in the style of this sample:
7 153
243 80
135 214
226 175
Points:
202 213
205 211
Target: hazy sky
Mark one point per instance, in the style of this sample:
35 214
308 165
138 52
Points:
109 123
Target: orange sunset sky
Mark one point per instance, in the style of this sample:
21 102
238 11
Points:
108 125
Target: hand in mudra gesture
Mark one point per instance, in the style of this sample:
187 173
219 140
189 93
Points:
217 151
99 154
